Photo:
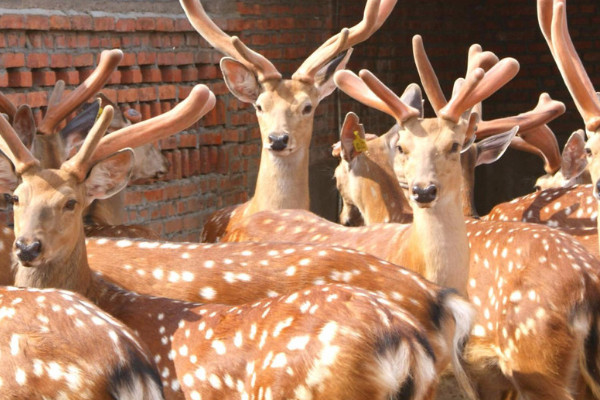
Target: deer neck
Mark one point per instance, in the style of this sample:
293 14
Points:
70 273
438 241
282 182
468 161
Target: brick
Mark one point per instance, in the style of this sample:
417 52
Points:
147 94
18 78
194 163
189 74
37 60
151 75
145 24
104 24
204 160
127 95
3 78
167 92
12 60
59 22
61 60
185 163
145 57
37 99
37 22
133 75
164 24
128 60
171 74
81 22
213 158
188 140
82 60
125 25
167 58
12 21
182 58
44 78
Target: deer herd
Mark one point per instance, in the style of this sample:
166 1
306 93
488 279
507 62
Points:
411 290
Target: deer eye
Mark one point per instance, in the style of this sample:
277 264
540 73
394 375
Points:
400 150
70 204
307 109
588 151
14 200
454 147
258 107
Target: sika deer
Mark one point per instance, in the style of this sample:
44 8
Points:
284 347
284 108
237 273
537 300
569 209
58 345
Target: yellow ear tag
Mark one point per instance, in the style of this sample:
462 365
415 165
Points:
360 144
100 110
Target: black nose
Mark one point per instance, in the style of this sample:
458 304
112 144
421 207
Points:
424 195
28 252
279 143
598 188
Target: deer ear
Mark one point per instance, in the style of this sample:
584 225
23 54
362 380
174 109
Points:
352 137
573 156
109 176
324 77
240 80
8 177
74 133
24 125
492 148
413 97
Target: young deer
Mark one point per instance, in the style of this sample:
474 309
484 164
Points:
284 108
537 300
58 345
284 347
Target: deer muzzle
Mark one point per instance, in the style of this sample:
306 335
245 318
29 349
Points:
424 194
279 142
28 251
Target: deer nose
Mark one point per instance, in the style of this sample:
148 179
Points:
28 251
424 195
280 142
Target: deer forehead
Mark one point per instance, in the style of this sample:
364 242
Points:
433 128
49 185
287 94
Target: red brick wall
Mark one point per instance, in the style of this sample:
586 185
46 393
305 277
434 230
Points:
214 163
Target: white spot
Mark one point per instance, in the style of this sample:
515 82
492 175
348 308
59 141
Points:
298 342
219 347
208 293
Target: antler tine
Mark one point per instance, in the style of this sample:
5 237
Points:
478 86
354 87
13 147
7 107
544 13
429 79
200 101
572 70
401 111
56 95
221 41
76 165
109 59
545 111
541 141
375 14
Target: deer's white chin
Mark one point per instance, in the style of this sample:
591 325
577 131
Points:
283 153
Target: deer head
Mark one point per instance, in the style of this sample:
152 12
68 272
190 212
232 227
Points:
285 107
44 139
48 203
428 150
